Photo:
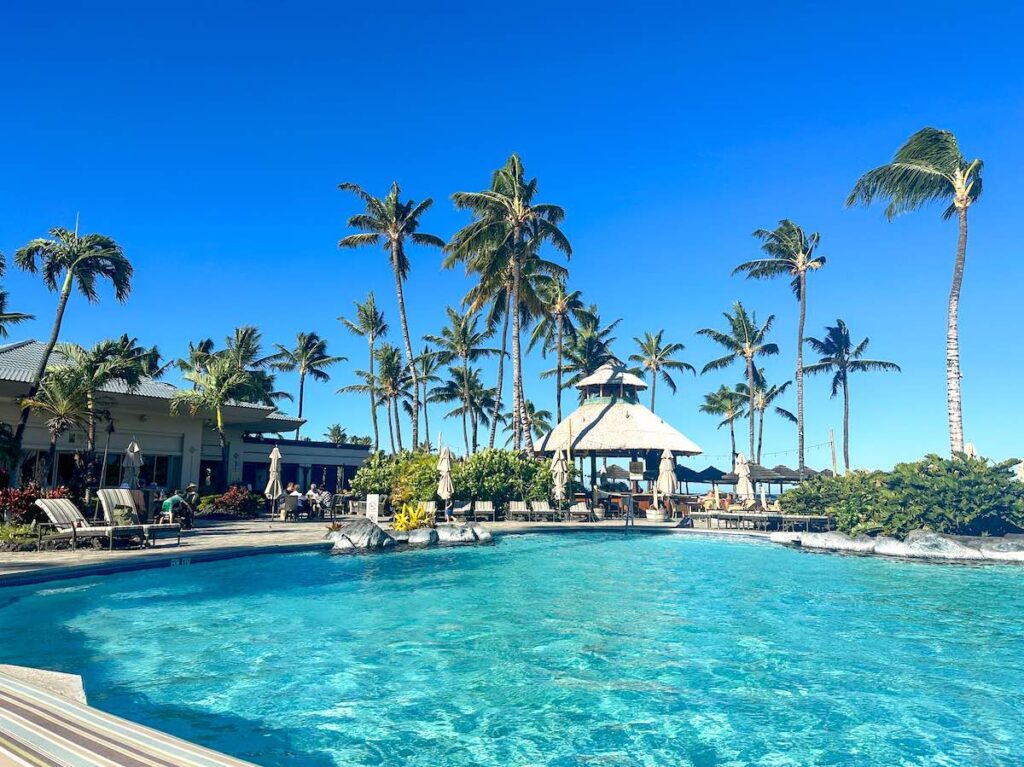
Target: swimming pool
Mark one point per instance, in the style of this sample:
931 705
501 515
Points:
568 649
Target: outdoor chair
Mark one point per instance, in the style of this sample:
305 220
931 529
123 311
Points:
70 525
429 508
120 508
289 507
518 510
543 510
580 511
461 511
483 510
357 508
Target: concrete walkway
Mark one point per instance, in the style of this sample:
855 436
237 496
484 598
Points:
225 540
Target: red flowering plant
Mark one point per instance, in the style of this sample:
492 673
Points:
238 501
16 503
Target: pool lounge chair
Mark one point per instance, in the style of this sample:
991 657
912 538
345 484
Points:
483 510
543 510
70 525
581 511
429 508
518 510
118 504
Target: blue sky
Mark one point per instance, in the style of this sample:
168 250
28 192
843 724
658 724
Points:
209 139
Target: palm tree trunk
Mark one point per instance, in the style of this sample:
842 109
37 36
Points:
302 396
373 401
846 427
517 370
800 375
750 403
501 371
396 410
517 350
465 402
732 437
558 372
760 436
465 427
956 420
62 302
51 459
412 367
426 420
654 385
391 427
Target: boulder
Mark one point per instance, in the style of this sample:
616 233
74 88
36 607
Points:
400 536
422 536
860 544
360 535
1000 549
924 544
455 534
786 539
483 535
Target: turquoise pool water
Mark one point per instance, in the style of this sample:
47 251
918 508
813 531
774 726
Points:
561 650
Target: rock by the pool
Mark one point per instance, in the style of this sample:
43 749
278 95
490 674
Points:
483 535
455 534
422 536
400 536
920 544
360 535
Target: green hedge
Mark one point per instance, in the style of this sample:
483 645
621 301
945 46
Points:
960 496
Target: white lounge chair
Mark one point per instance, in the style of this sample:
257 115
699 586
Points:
543 510
581 511
70 525
117 503
483 510
518 510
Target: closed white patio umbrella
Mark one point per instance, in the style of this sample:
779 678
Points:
744 488
274 489
666 483
132 464
559 475
445 488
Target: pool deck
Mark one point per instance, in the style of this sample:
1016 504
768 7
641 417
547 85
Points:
227 540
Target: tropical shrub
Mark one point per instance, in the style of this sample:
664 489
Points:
412 517
16 503
415 478
236 502
960 495
376 475
501 476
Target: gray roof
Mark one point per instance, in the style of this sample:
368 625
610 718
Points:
18 362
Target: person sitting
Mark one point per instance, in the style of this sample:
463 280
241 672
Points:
176 509
300 499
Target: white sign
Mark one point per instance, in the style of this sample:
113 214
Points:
373 507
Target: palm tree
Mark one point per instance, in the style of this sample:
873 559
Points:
461 341
562 311
108 361
506 216
727 403
369 386
763 396
64 261
369 323
657 359
475 402
389 222
930 167
393 385
8 318
840 357
540 421
220 383
745 341
198 355
589 349
427 365
62 399
336 434
310 358
789 252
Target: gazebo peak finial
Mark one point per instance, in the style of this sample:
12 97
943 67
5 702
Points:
612 374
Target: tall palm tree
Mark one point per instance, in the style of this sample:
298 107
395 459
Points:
589 349
930 167
840 357
540 421
763 397
656 357
369 323
198 355
506 216
745 341
475 402
563 309
62 400
369 386
391 223
310 358
8 318
789 252
427 365
461 342
64 261
220 383
336 434
729 404
394 387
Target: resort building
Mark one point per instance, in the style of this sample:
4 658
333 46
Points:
176 449
611 422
